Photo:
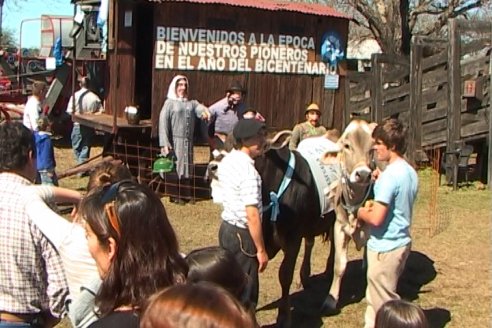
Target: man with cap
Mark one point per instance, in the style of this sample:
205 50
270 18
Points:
224 114
310 128
241 230
83 102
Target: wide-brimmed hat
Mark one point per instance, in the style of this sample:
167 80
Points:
236 87
313 107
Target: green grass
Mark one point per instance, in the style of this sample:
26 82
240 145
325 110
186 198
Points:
451 228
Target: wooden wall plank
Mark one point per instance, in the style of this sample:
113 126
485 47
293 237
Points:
454 89
281 98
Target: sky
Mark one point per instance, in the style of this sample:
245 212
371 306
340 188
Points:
15 11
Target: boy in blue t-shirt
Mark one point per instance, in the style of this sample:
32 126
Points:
45 153
389 216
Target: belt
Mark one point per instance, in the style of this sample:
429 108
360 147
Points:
18 317
235 225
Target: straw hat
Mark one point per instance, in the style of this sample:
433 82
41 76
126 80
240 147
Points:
313 107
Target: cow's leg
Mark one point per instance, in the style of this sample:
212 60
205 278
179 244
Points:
306 261
285 274
330 262
341 247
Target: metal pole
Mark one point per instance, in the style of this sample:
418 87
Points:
74 68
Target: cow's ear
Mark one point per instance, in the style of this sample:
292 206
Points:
372 126
329 158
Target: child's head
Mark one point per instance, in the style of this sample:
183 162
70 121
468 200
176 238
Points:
249 113
401 314
393 134
108 173
195 305
39 89
219 266
43 123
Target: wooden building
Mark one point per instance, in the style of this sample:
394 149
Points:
272 47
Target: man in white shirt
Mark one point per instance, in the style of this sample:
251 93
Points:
86 102
241 230
33 108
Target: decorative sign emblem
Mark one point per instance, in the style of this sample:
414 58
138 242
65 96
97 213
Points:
331 48
331 53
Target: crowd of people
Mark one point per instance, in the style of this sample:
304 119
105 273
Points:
117 263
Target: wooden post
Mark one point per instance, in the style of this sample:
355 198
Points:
346 112
376 89
329 104
415 119
454 92
489 136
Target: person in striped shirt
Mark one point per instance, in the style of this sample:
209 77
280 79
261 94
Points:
241 231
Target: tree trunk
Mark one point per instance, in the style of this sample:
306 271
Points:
406 34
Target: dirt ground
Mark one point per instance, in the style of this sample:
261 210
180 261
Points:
448 273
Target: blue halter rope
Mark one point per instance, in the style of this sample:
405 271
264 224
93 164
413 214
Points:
275 196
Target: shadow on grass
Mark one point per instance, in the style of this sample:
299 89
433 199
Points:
306 304
437 317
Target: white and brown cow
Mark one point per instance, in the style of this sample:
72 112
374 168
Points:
300 214
350 192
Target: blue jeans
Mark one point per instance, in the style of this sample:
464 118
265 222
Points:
47 177
5 324
81 142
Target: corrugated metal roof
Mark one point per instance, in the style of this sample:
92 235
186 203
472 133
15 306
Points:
274 5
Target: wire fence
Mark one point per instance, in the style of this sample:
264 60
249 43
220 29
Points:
140 157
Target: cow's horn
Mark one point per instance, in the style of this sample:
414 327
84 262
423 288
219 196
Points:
281 133
277 136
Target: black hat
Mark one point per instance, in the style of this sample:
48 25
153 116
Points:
245 129
236 87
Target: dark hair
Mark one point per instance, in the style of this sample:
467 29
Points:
43 123
401 314
195 305
393 134
108 173
16 141
147 257
217 265
84 82
38 88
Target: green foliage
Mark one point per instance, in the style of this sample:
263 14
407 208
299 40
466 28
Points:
8 39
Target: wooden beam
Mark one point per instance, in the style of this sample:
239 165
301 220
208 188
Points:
454 91
415 119
427 41
348 107
473 26
376 89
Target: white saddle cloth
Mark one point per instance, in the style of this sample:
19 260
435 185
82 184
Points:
313 150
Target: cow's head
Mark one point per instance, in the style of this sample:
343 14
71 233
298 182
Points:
355 153
280 140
